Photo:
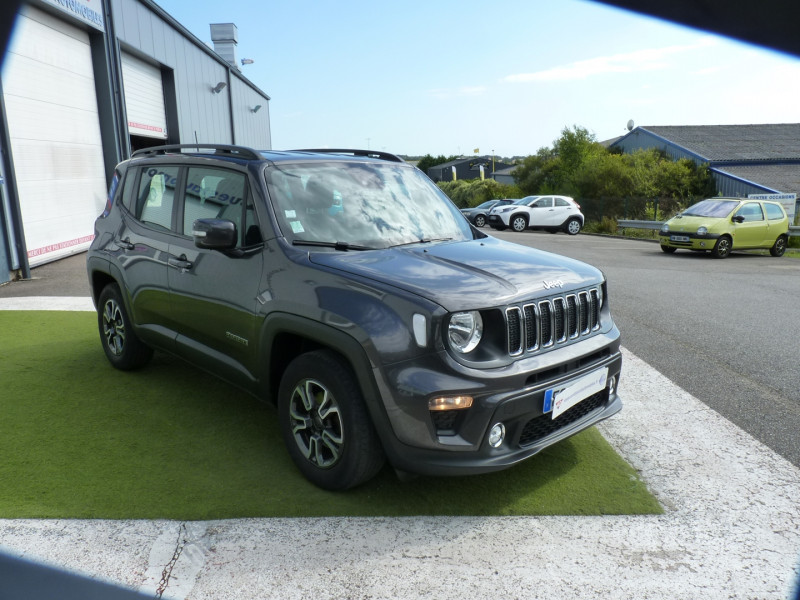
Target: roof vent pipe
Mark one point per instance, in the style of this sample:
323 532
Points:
226 37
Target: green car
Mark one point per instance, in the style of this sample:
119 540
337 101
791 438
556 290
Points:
720 225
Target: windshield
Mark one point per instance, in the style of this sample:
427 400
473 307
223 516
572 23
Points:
524 200
369 205
488 204
711 208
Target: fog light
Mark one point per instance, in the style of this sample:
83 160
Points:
611 385
450 403
497 434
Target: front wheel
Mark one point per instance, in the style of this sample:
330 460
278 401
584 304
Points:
573 226
779 247
667 249
480 221
122 346
325 424
519 223
722 248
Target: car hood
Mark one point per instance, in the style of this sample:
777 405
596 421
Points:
467 275
690 224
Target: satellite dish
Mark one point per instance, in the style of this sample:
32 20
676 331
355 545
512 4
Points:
630 124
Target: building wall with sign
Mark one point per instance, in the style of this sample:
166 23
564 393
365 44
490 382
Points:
83 84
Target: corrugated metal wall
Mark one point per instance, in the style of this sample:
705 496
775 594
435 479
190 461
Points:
225 117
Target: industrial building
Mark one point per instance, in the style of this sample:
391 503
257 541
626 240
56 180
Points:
744 160
83 84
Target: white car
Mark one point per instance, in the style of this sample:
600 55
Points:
551 213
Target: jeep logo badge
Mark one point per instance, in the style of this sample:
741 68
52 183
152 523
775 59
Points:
554 283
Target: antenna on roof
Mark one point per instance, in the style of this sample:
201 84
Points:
630 124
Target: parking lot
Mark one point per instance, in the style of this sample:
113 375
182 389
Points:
697 333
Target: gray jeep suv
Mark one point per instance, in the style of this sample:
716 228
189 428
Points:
344 287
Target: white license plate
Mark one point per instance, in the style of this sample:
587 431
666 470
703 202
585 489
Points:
679 238
561 399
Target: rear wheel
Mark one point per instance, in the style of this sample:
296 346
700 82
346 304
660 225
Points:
779 247
123 348
573 226
722 248
325 424
668 249
480 221
519 223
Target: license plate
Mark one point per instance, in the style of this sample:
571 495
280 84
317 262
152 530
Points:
563 398
679 238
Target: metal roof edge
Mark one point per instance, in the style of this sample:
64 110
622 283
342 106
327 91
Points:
743 180
173 22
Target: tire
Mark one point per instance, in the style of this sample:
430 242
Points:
779 247
480 221
668 249
518 223
573 226
123 348
722 249
325 424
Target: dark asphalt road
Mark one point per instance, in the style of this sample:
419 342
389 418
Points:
727 331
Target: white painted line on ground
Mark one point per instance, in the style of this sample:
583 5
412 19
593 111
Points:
731 530
47 303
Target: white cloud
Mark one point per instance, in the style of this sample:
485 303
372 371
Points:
445 93
651 59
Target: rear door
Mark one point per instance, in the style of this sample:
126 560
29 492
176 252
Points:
562 210
143 240
213 293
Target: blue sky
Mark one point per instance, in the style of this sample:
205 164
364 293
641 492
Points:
447 77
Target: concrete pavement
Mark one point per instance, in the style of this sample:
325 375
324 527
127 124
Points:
731 530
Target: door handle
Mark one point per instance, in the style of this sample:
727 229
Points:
180 262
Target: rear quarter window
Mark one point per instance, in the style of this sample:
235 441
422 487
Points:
774 212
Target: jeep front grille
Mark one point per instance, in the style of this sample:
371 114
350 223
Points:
539 325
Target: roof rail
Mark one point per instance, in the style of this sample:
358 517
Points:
366 153
226 149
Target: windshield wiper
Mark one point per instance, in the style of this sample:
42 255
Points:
344 246
422 241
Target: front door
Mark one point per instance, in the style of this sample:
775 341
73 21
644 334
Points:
753 230
213 293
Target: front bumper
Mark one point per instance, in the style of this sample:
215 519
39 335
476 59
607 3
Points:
689 241
498 220
433 443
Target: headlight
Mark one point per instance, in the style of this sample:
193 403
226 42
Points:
702 230
465 331
665 228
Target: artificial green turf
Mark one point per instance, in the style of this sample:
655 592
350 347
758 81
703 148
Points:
79 439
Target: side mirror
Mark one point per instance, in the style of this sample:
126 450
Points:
214 234
738 219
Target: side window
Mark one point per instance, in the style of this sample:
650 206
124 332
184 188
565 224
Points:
543 203
751 212
561 202
217 194
128 195
774 212
156 196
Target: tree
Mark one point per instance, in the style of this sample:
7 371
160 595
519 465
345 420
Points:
428 161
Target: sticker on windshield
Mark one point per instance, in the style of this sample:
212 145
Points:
290 214
297 227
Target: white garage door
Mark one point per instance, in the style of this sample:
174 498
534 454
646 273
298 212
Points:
51 106
144 98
